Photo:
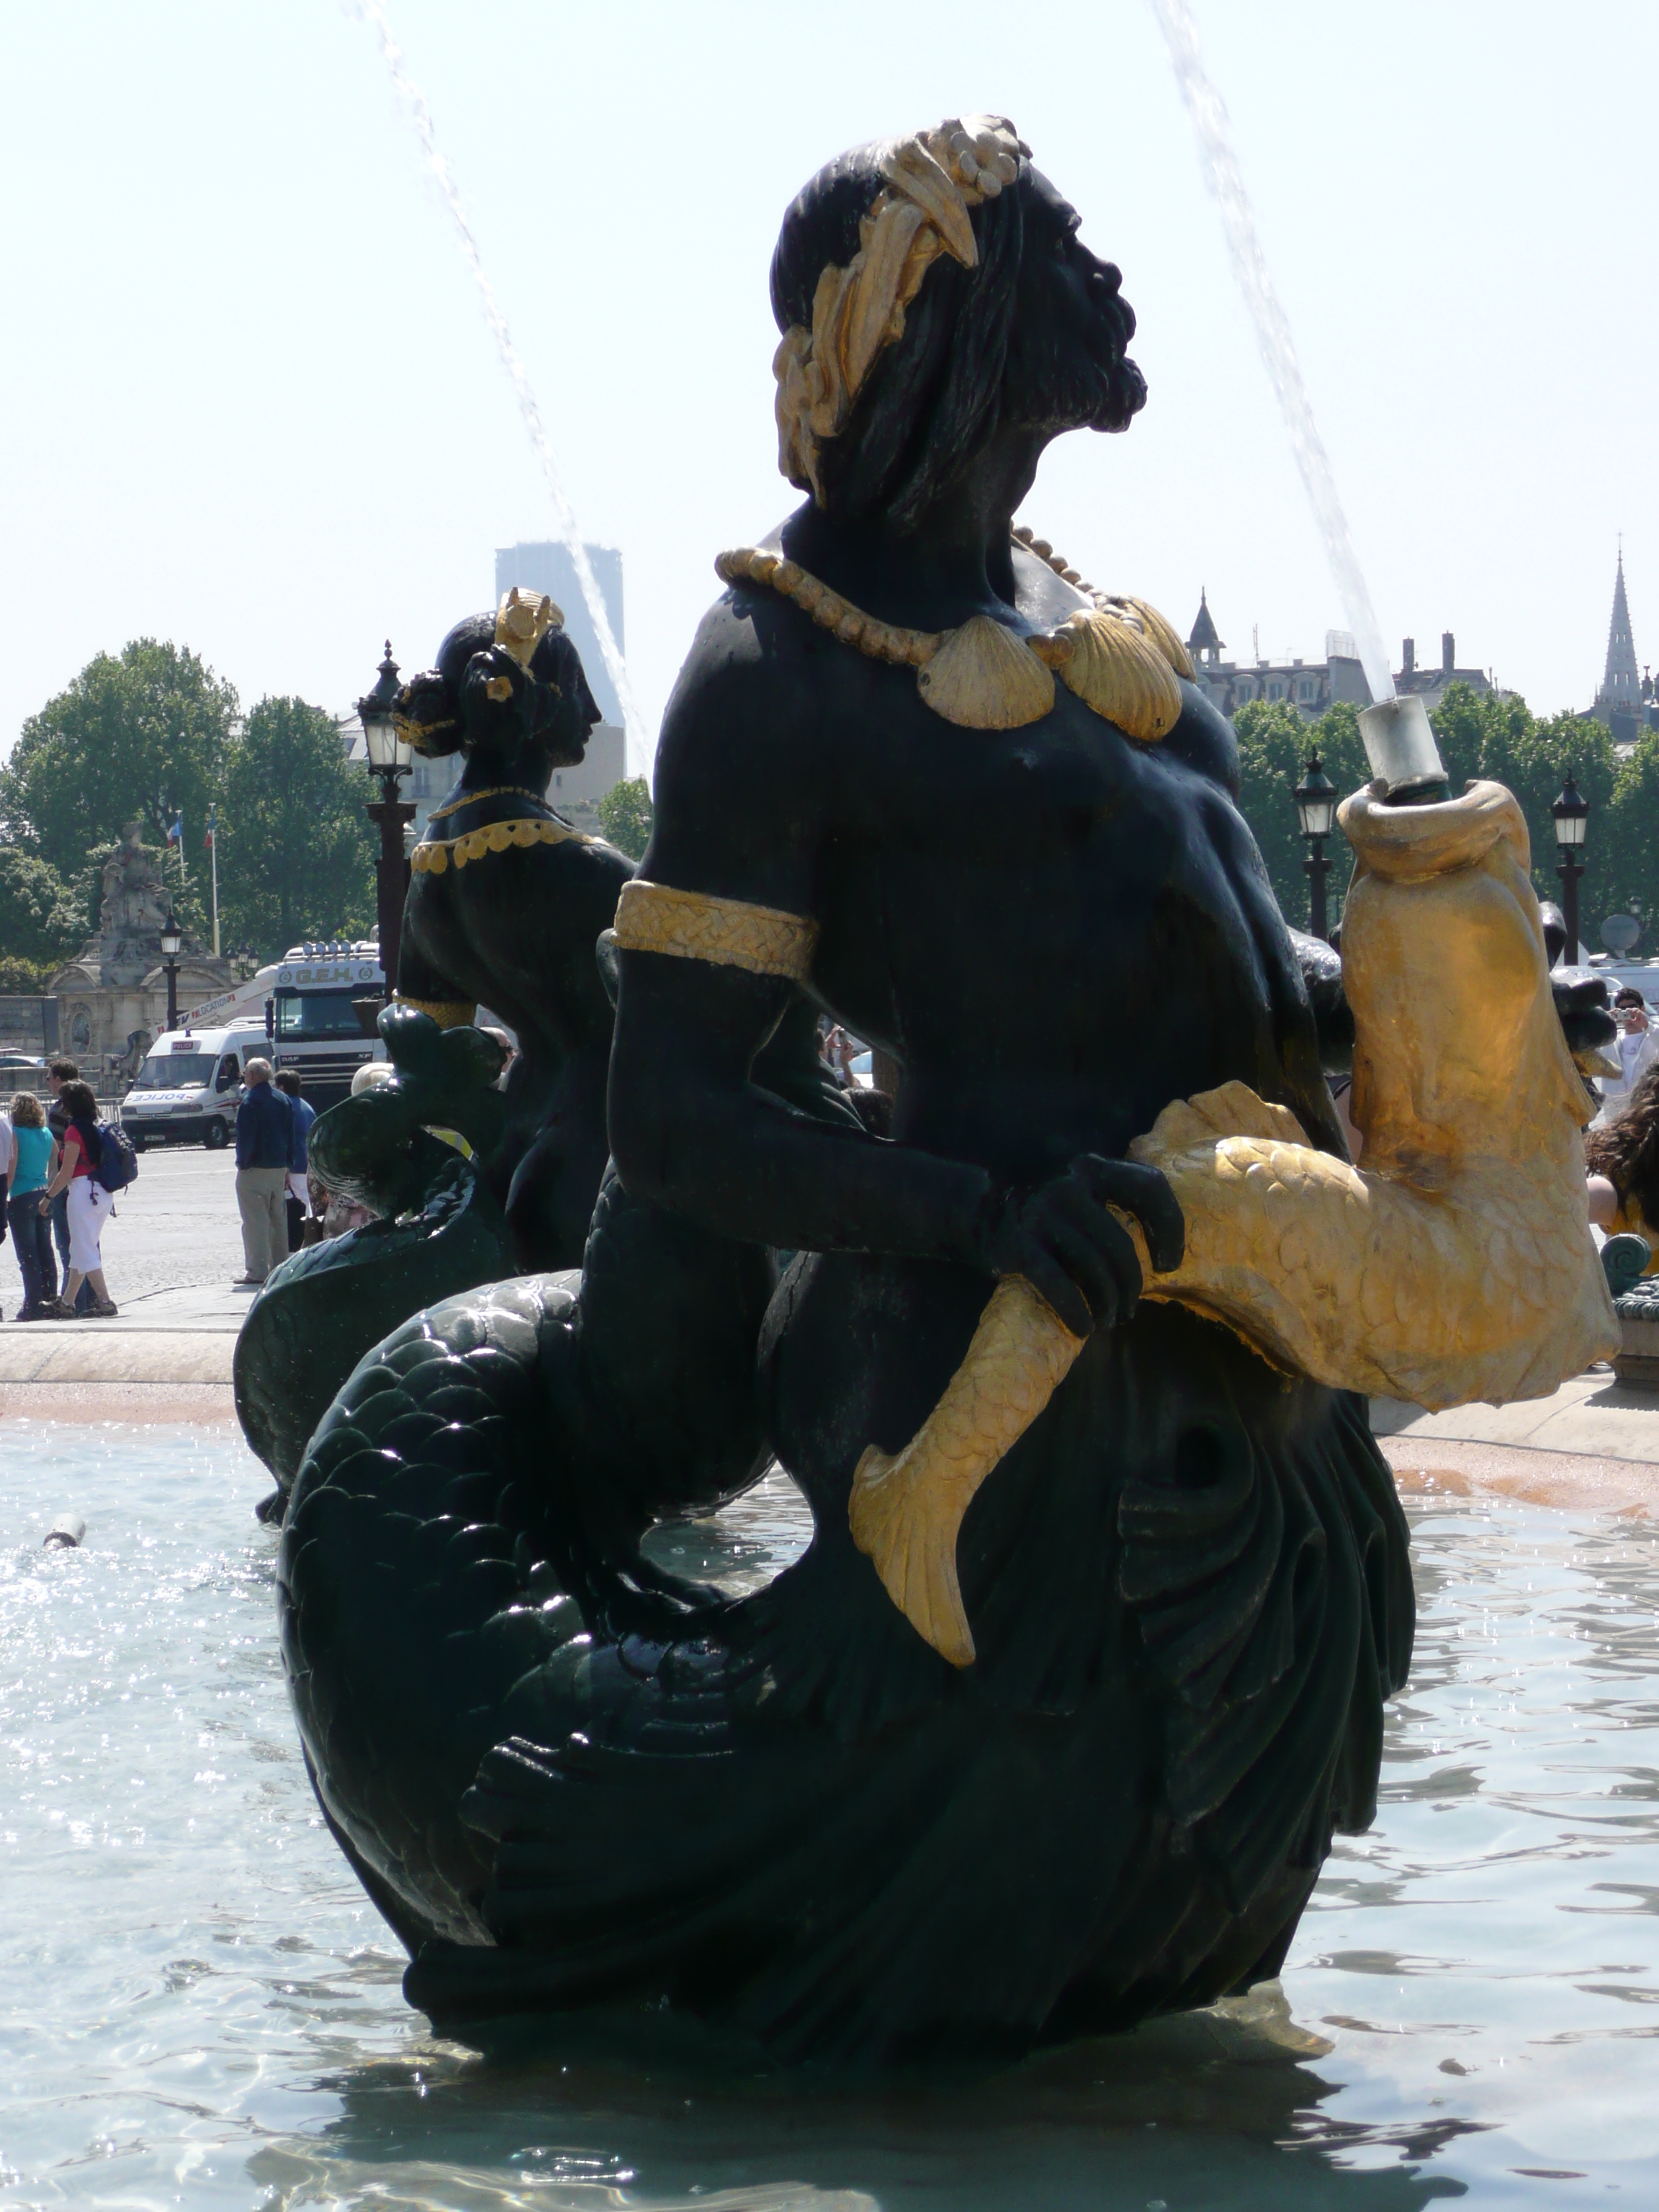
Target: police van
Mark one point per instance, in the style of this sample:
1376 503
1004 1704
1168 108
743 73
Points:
314 1026
189 1085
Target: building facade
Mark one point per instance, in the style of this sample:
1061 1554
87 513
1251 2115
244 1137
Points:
1313 686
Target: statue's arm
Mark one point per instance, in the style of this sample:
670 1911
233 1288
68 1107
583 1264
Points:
423 985
747 803
742 817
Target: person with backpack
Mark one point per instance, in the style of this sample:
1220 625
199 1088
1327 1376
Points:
58 1072
90 1201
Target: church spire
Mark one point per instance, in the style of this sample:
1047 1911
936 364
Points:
1204 637
1621 685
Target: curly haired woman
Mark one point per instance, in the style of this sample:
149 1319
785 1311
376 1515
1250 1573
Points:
1623 1163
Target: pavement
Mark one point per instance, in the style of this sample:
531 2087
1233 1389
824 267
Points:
174 1246
1593 1444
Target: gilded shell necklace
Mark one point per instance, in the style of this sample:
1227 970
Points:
1121 657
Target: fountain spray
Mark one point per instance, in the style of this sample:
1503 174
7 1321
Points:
1399 742
410 94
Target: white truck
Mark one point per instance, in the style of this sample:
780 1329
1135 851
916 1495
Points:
314 1028
189 1085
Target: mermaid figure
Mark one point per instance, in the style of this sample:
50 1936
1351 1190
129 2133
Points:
1050 1727
505 904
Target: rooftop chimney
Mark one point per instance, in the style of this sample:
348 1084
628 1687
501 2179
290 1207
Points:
1448 652
1408 655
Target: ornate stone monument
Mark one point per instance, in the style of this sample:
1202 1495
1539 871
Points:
112 998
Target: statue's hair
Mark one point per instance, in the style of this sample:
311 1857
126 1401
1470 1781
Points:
931 401
429 704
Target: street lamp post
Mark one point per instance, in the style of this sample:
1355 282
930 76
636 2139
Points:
173 938
1315 811
389 759
1572 812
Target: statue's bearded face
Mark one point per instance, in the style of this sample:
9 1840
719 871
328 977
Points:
1068 367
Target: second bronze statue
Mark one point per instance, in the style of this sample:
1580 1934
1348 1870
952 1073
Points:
505 902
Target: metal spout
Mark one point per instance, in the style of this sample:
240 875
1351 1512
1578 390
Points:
1400 748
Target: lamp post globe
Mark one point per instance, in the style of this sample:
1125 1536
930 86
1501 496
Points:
1570 811
173 939
1316 814
388 755
390 758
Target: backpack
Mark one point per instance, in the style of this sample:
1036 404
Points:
118 1162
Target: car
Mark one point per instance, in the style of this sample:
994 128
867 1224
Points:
21 1059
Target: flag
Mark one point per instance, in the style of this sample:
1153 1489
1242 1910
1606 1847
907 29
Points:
213 816
176 833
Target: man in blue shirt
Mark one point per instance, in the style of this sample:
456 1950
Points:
299 1193
264 1144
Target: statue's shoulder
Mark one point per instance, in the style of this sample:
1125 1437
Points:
1205 739
753 706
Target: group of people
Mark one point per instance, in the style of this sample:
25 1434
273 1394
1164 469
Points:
1621 1146
272 1194
55 1205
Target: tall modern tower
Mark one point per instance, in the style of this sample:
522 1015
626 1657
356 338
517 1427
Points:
546 566
1621 685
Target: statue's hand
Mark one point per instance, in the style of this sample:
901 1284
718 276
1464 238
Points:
1065 1239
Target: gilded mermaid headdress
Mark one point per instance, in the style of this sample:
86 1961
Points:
932 179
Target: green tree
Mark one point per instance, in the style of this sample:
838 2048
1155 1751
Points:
139 738
295 845
1623 847
41 921
1480 734
625 815
1273 744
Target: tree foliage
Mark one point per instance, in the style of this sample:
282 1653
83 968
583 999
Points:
41 921
1623 846
625 815
1273 744
140 737
296 849
151 733
1479 734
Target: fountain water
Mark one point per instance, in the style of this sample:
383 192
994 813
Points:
373 13
1225 179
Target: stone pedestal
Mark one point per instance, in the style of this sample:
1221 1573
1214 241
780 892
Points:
1636 1364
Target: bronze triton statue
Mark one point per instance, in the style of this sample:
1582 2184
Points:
1051 1726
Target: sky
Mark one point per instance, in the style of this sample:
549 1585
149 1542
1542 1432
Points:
248 401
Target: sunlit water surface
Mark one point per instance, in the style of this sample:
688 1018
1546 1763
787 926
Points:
198 2006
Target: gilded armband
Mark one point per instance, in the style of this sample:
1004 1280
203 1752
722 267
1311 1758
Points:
730 933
